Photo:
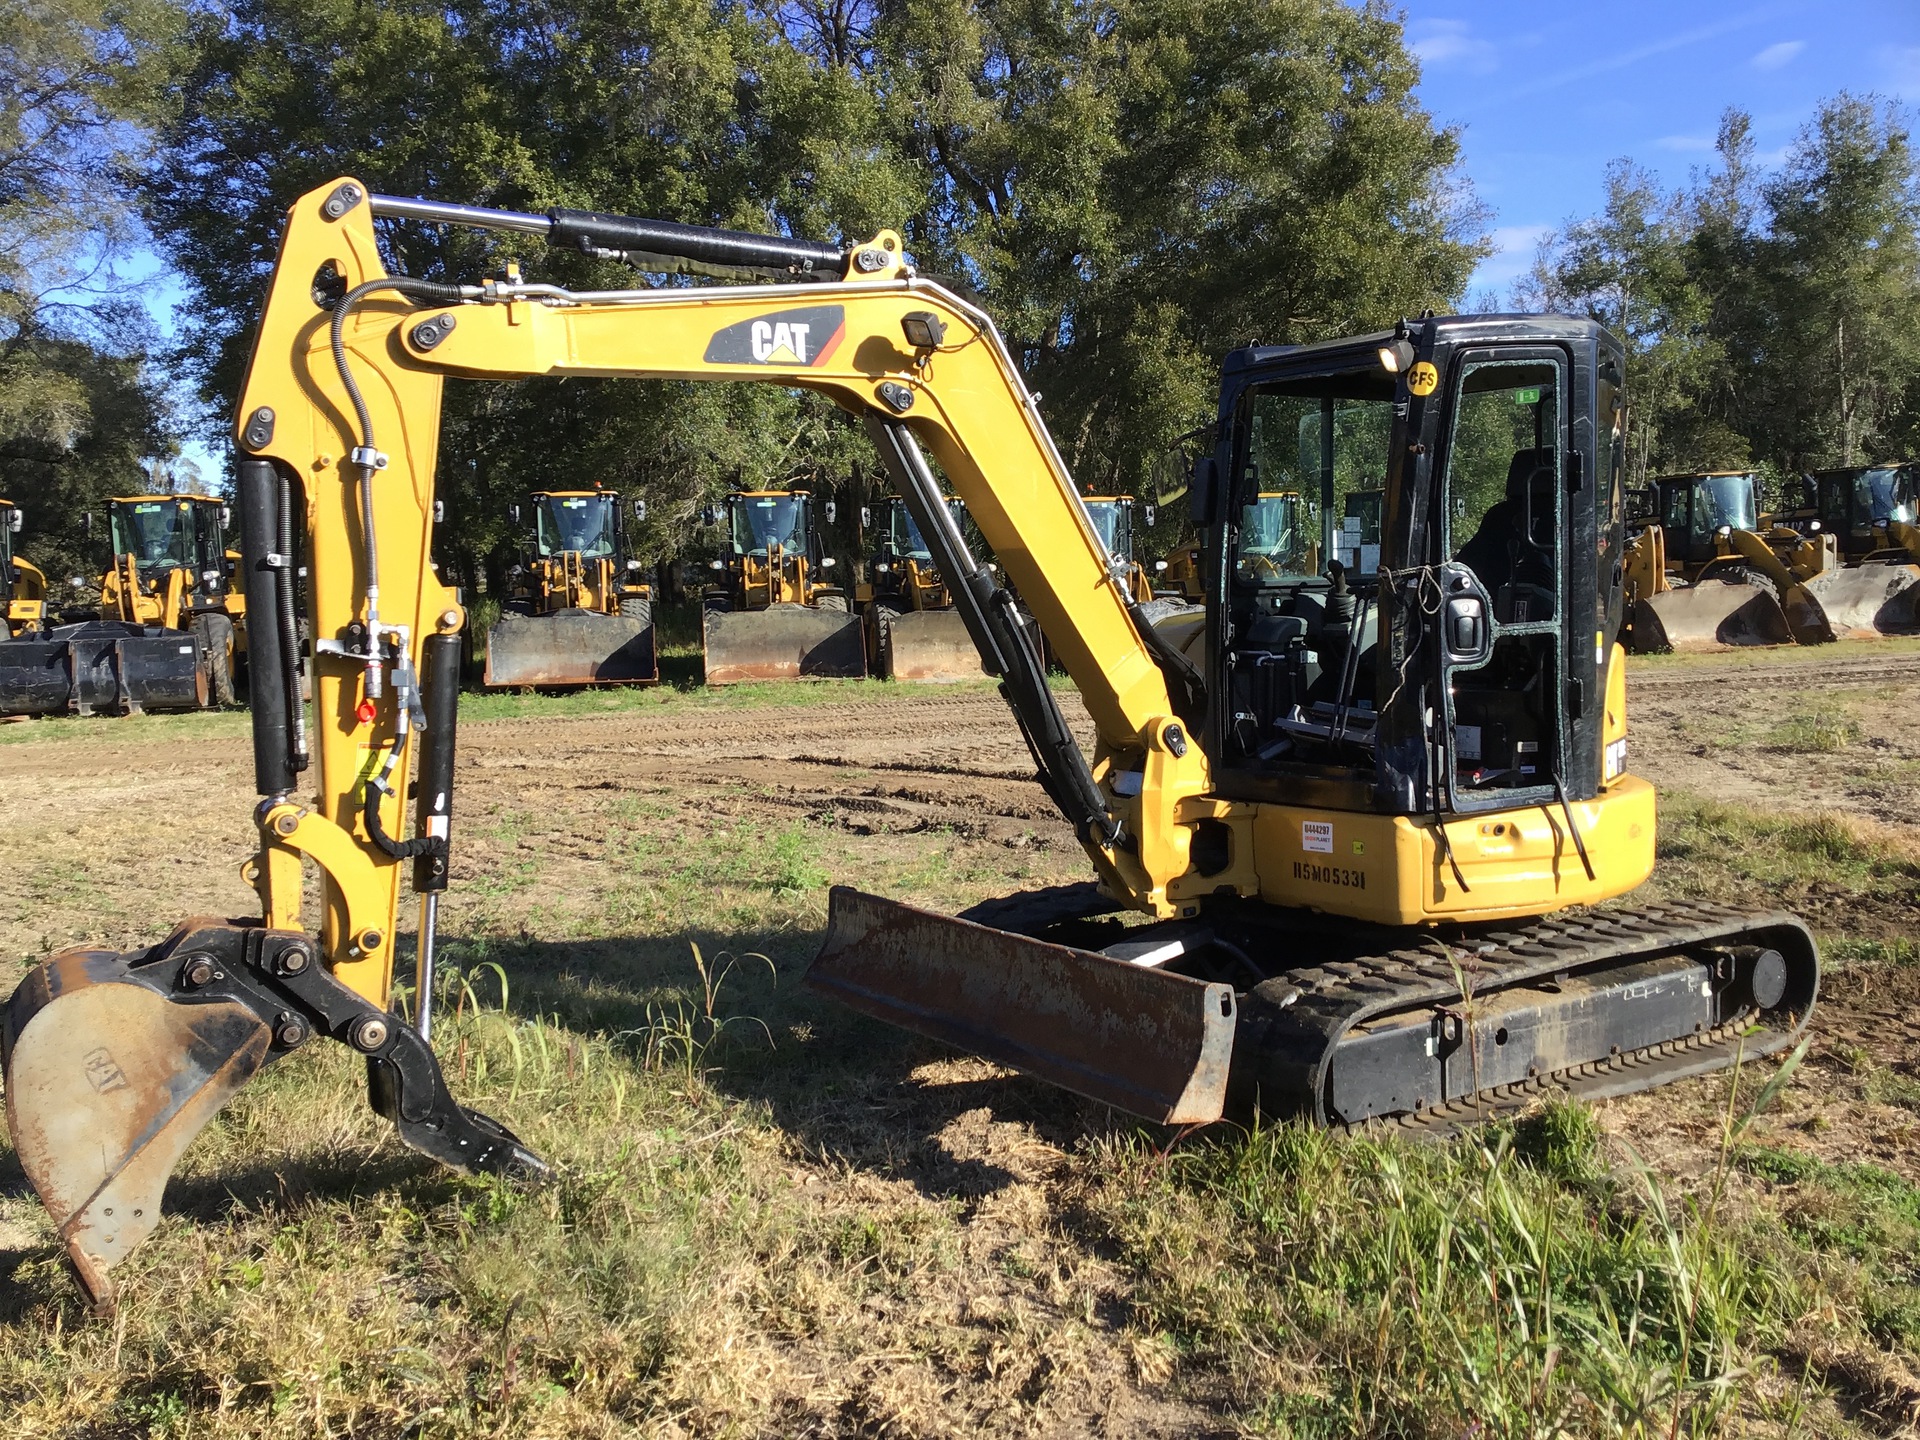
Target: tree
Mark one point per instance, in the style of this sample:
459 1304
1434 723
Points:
79 82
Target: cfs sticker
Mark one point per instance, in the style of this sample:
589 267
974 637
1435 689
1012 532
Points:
807 336
1423 379
1317 836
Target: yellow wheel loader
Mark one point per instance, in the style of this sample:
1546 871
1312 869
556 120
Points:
169 632
1868 514
21 582
913 631
1703 574
1343 830
579 610
1112 519
772 614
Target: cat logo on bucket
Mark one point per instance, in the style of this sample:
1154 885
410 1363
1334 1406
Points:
804 337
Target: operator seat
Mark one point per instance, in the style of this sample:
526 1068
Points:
1499 552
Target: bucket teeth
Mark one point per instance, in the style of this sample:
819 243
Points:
115 1062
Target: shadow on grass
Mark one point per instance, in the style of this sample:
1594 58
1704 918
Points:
848 1089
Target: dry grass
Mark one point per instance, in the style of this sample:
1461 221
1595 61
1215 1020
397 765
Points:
772 1218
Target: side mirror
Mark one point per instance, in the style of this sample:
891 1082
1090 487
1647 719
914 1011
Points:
513 511
439 512
833 512
828 562
716 565
1205 496
1149 513
16 519
88 519
1159 565
709 516
866 517
226 517
640 511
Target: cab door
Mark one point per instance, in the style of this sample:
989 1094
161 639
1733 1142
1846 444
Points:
1501 584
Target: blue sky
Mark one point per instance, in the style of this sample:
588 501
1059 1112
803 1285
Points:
1546 95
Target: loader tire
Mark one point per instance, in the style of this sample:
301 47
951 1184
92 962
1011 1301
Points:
883 617
215 633
637 607
831 602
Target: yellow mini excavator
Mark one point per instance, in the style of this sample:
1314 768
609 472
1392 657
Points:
170 629
1344 827
579 610
772 614
22 584
913 631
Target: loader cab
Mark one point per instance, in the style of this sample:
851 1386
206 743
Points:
1441 643
1112 517
903 559
162 534
1696 511
1857 503
587 523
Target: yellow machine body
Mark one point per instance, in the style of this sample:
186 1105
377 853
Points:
21 582
772 615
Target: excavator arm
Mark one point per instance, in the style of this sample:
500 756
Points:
337 432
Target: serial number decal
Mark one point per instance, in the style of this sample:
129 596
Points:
1329 875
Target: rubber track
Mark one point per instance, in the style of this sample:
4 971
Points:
1336 996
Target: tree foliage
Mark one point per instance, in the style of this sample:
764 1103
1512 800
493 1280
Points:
1771 318
1131 188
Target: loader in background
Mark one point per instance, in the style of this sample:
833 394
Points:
21 582
771 614
1702 573
579 607
1866 514
1112 517
168 633
913 631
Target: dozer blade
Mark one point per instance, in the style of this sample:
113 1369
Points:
571 647
102 665
782 642
929 645
1869 600
1712 615
1153 1044
115 1062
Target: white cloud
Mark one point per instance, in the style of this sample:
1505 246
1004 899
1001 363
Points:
1512 257
1775 56
1442 43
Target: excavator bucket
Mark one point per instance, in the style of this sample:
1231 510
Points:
108 1081
782 642
1713 615
928 645
102 665
571 647
1865 601
1148 1042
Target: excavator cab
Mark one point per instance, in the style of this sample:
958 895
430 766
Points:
913 631
579 608
773 615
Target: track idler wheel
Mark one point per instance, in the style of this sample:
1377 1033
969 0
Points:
114 1063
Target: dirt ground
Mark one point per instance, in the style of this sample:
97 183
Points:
113 833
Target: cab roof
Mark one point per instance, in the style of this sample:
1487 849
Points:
1454 329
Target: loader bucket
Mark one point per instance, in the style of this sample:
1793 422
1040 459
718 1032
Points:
1712 615
571 647
1869 600
102 665
929 645
1145 1041
108 1081
782 642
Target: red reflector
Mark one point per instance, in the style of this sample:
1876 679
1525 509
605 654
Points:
364 712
